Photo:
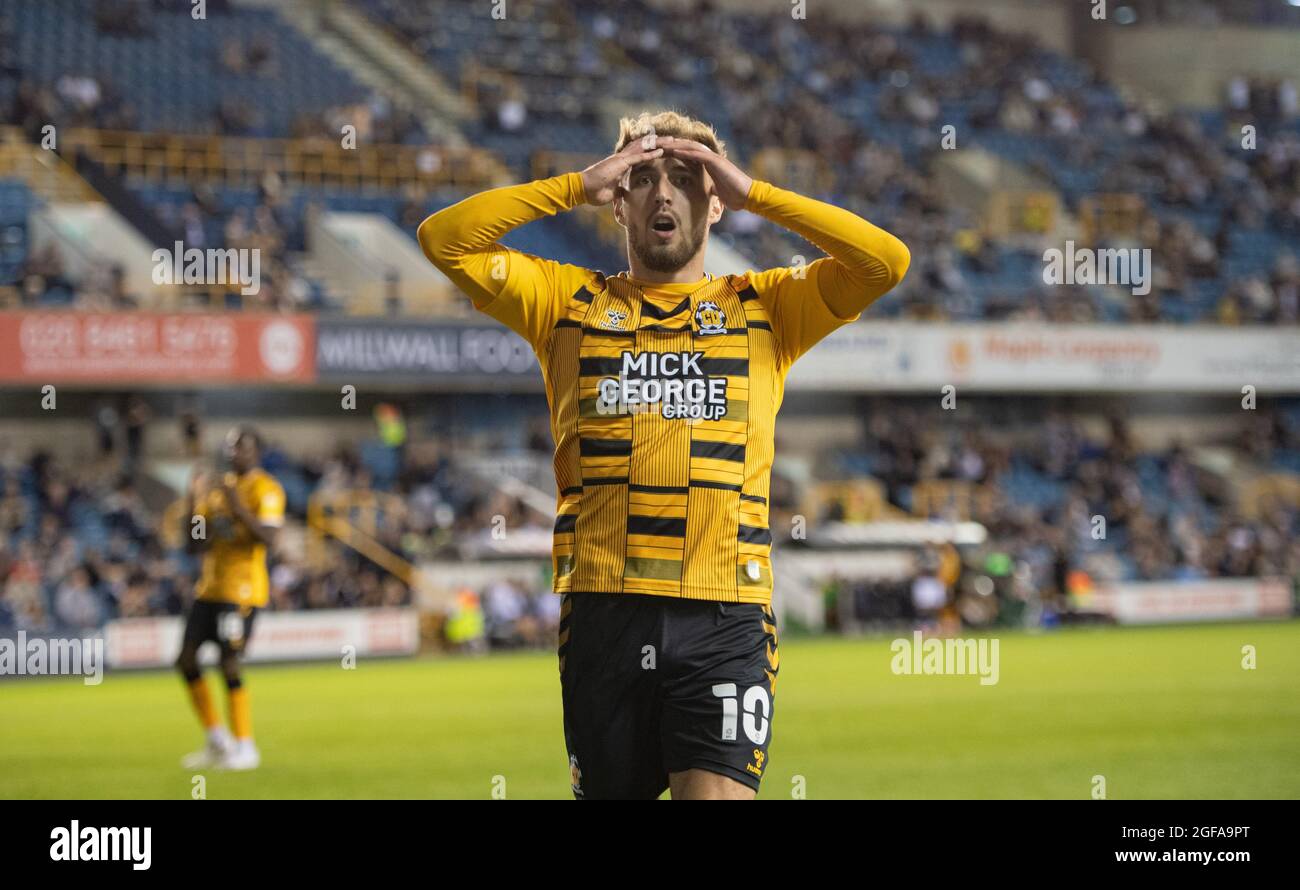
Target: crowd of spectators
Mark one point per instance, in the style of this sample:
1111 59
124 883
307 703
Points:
90 98
1075 495
1170 160
80 544
1165 516
795 85
74 100
269 227
1212 13
50 578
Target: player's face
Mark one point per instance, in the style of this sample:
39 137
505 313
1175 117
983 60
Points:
241 451
667 207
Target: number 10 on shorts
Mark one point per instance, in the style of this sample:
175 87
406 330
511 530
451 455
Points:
758 708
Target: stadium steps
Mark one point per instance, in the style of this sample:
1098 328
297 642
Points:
368 258
314 270
1254 484
46 175
380 62
352 519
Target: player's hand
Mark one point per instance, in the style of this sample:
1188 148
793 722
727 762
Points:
601 180
730 183
227 486
200 482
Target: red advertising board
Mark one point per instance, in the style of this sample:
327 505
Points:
149 347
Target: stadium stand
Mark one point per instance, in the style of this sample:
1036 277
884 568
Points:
1227 219
868 118
847 112
80 544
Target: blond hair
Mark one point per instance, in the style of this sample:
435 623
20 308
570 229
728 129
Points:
668 123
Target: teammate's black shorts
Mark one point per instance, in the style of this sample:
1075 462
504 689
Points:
654 685
229 625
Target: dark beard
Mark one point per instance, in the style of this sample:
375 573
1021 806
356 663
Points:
670 257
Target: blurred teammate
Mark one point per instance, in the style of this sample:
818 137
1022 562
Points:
239 519
664 383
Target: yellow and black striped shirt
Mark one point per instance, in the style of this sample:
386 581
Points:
663 397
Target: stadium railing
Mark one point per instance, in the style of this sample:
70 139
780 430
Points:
315 162
352 517
48 176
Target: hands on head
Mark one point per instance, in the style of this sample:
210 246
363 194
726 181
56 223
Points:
602 180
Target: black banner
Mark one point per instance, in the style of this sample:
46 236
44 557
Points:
302 840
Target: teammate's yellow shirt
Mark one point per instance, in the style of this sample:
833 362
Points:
663 397
234 566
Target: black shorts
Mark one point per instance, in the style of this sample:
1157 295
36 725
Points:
655 685
229 625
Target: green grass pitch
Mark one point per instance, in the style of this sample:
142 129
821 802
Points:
1162 712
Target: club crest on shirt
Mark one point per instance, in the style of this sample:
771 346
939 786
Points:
614 320
709 318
